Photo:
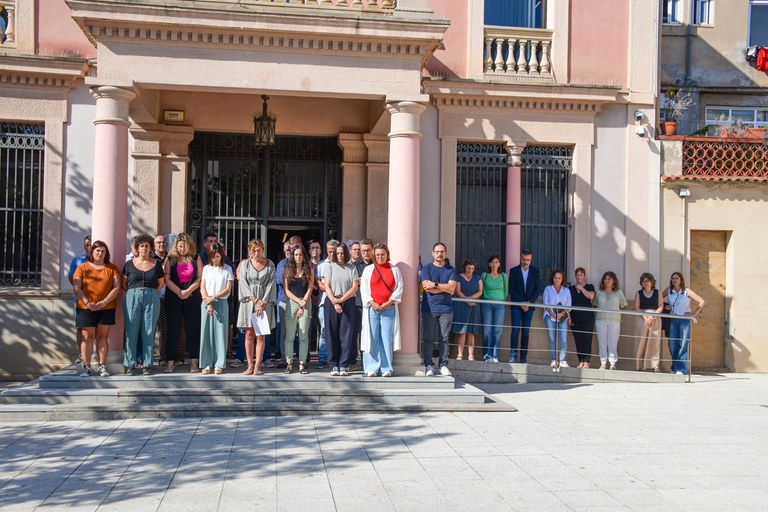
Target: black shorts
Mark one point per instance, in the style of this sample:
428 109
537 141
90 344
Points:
88 318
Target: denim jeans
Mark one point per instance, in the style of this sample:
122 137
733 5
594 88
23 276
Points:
679 336
557 331
379 359
493 322
521 327
322 342
436 327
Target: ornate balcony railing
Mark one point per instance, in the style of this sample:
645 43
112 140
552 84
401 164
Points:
725 158
518 52
354 4
8 24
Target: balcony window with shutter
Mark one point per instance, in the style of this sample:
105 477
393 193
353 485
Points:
515 13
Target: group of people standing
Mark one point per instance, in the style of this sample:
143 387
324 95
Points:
180 291
523 284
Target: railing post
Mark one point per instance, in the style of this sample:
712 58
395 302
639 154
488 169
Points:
522 58
545 64
510 64
499 61
488 55
533 67
10 30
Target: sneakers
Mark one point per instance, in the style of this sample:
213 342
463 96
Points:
444 371
130 371
269 364
335 372
86 372
613 366
236 364
79 359
146 371
602 366
564 364
321 364
386 374
103 371
429 371
493 359
344 372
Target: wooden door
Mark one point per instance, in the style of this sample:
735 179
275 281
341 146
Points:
708 280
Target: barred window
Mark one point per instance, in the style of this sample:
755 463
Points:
21 203
481 203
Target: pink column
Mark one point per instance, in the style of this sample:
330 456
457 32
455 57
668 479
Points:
110 187
403 224
514 215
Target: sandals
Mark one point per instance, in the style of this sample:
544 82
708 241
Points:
207 370
218 371
170 368
471 358
249 371
257 370
194 369
288 369
303 369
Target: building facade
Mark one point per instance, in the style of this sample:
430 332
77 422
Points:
491 126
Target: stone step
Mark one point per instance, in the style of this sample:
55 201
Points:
69 378
34 395
81 412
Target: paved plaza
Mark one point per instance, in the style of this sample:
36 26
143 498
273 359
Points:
570 447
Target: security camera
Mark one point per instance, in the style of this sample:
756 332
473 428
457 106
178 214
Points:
638 115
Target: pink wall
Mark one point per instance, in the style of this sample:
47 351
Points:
58 34
451 62
599 42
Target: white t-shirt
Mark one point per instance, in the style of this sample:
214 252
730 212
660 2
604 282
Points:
216 279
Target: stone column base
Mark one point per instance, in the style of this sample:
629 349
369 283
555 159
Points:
408 364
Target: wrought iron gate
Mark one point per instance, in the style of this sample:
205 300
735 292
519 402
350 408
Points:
481 203
22 156
238 191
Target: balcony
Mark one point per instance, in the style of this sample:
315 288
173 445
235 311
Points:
518 54
714 159
7 25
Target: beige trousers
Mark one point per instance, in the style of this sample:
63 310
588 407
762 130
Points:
648 344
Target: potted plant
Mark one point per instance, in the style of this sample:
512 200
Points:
675 102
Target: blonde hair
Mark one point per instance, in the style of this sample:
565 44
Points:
173 253
256 242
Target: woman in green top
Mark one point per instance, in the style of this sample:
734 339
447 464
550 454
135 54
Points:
495 287
608 325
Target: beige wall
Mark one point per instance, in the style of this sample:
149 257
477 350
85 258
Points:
740 210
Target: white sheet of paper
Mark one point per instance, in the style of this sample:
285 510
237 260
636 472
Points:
260 324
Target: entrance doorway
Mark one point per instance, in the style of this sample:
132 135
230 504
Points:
708 280
242 192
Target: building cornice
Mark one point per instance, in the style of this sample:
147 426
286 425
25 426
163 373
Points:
490 95
293 27
41 71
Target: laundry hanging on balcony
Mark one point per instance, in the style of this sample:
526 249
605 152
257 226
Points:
762 59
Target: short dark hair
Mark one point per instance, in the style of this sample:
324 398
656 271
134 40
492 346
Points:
526 252
145 239
491 258
313 241
467 262
216 248
209 235
440 243
87 238
96 245
345 251
366 241
579 269
648 276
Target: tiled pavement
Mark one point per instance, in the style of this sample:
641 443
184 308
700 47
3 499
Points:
571 447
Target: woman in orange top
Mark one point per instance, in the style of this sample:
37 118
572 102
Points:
97 283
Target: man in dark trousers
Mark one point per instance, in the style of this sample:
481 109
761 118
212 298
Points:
524 286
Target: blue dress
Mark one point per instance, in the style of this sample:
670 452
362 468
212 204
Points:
467 319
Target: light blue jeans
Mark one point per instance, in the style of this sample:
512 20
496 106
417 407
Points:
322 342
679 336
493 322
213 335
141 309
557 330
379 358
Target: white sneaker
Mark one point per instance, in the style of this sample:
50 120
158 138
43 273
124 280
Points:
335 372
429 371
444 371
495 359
564 364
103 371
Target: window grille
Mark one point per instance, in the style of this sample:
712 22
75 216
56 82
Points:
21 203
481 203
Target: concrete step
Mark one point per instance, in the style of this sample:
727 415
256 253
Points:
478 372
34 395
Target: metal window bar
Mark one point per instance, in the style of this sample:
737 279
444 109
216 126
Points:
623 313
21 203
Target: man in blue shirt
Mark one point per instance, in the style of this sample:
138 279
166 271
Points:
439 281
524 286
76 262
322 343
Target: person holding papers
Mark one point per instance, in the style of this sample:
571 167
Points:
258 294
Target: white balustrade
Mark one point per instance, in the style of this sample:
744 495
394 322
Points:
10 29
517 52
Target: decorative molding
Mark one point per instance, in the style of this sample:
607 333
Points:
34 71
497 103
278 41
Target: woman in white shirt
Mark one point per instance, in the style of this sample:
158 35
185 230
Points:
679 298
557 294
215 286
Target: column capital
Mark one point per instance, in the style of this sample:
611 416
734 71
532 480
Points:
514 153
112 104
405 117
